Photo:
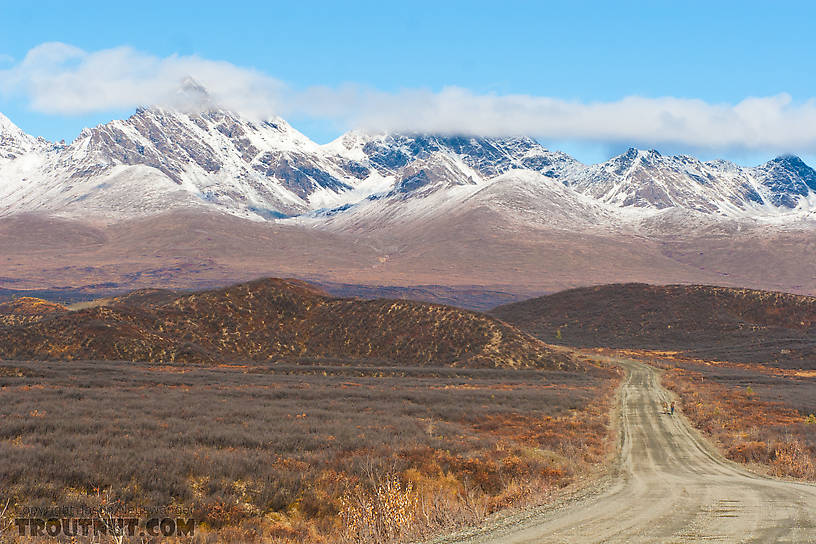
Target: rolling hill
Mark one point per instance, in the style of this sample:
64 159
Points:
720 323
273 320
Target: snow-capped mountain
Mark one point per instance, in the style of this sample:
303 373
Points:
208 158
161 157
529 184
647 179
14 143
787 181
158 159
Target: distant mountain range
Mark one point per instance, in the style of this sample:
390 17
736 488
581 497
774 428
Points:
193 199
160 159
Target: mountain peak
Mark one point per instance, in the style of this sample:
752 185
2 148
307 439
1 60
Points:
262 169
14 142
193 96
790 163
192 86
789 177
789 160
9 128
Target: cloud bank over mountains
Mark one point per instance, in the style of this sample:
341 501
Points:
60 79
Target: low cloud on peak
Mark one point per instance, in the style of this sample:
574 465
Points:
60 79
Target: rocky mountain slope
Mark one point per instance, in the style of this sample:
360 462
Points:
647 179
209 158
271 320
200 198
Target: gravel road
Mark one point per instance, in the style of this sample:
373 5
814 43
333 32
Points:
669 485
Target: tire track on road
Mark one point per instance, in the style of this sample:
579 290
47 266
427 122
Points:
668 485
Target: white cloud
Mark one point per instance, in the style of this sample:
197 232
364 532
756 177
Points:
62 79
772 123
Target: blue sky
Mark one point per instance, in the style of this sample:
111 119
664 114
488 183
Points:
719 53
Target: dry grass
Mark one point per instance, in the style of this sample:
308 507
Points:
757 416
706 322
300 453
272 320
25 310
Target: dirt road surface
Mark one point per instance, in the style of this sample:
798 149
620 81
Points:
668 486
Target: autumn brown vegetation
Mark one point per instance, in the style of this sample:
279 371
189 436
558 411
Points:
276 413
285 453
719 323
271 320
760 415
25 310
742 361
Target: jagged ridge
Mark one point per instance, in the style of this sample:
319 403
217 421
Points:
159 159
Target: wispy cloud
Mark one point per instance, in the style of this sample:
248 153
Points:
62 79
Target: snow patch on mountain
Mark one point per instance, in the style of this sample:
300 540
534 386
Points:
647 179
15 144
209 158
